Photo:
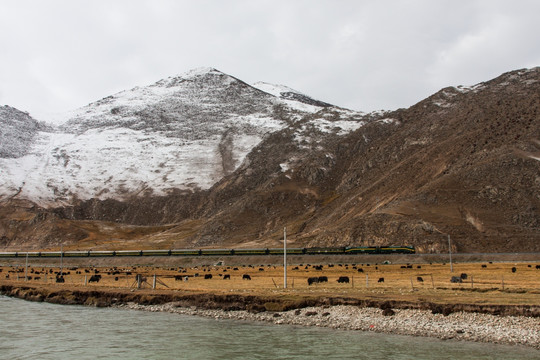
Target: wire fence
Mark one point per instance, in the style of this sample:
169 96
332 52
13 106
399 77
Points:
524 277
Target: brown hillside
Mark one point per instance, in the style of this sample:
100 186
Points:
462 162
456 163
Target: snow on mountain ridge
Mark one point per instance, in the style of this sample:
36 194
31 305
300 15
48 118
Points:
181 133
274 89
292 98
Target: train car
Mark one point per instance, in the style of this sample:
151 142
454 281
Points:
290 251
77 253
128 253
217 252
51 254
361 250
31 254
5 254
185 252
101 253
156 252
251 251
325 250
397 250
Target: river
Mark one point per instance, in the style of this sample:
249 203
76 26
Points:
30 330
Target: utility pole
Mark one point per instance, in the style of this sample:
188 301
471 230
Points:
284 257
450 254
61 259
26 268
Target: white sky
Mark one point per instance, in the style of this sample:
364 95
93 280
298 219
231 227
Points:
59 55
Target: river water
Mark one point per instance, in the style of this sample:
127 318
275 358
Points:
30 330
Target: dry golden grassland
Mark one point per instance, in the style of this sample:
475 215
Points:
486 283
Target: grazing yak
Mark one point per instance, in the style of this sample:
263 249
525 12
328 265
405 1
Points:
207 276
246 277
343 279
380 280
94 278
226 276
317 279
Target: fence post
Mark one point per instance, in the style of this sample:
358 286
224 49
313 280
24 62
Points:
432 282
412 285
352 281
85 280
502 281
154 282
367 280
472 282
26 268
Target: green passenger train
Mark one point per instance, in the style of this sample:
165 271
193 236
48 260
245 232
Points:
218 252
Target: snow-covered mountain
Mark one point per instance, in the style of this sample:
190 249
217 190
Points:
183 133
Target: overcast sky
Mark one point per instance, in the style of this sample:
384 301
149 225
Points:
364 55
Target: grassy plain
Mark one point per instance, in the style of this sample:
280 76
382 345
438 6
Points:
486 283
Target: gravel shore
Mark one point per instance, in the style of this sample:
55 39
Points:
510 330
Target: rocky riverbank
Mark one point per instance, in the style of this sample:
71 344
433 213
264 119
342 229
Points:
501 324
512 330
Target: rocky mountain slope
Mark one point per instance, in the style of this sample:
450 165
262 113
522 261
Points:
206 160
17 132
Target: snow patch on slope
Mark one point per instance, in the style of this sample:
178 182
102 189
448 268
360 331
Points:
116 162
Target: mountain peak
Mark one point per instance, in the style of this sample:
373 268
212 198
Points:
201 71
203 74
